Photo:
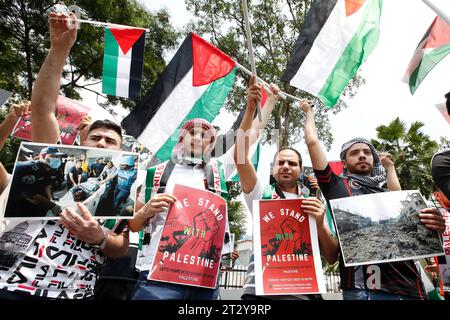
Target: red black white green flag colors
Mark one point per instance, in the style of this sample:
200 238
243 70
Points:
123 61
433 47
335 39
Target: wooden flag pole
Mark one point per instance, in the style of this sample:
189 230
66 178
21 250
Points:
438 11
251 57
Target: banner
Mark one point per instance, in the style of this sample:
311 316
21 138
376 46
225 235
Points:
383 227
287 256
191 242
68 113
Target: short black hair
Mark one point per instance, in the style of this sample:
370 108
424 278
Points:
288 148
106 124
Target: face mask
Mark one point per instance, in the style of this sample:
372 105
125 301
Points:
54 163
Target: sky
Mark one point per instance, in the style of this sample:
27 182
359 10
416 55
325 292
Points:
384 96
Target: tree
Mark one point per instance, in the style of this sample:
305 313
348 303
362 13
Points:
24 41
275 27
236 210
411 150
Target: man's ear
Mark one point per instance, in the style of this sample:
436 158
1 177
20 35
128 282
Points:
344 164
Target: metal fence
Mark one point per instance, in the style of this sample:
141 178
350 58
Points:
235 278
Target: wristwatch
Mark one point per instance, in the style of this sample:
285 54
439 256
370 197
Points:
102 244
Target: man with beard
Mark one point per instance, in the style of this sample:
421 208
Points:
365 173
191 165
287 168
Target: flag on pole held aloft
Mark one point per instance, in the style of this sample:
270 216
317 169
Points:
335 39
123 62
433 47
194 84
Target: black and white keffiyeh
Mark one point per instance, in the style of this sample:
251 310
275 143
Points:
378 175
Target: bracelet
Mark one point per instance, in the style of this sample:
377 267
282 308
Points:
102 244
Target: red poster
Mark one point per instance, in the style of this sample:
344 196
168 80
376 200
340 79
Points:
191 242
68 112
287 256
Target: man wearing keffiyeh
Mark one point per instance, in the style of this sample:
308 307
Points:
365 172
363 164
191 165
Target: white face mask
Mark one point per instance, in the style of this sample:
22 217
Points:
54 163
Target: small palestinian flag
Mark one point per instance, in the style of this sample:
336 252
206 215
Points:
194 84
335 39
433 47
123 62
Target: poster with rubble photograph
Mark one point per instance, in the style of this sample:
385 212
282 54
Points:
383 227
287 255
49 178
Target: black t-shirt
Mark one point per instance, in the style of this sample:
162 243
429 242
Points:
401 278
76 173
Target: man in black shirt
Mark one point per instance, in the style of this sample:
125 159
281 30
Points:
74 175
364 173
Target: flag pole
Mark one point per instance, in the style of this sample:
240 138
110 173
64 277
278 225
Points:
283 95
251 57
438 11
105 24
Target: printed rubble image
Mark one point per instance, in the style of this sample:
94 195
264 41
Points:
384 237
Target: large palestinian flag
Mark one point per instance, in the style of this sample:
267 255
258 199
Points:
433 47
194 84
336 37
123 61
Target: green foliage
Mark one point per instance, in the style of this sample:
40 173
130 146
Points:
236 210
275 27
411 150
24 42
236 217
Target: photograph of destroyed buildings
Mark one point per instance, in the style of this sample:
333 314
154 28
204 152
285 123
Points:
383 227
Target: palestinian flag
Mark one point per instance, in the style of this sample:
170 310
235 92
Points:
433 47
123 62
335 39
195 84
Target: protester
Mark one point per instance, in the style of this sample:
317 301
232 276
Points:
440 170
6 127
286 172
365 173
190 164
71 250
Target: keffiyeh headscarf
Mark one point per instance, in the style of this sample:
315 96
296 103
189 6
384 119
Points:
378 175
179 154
